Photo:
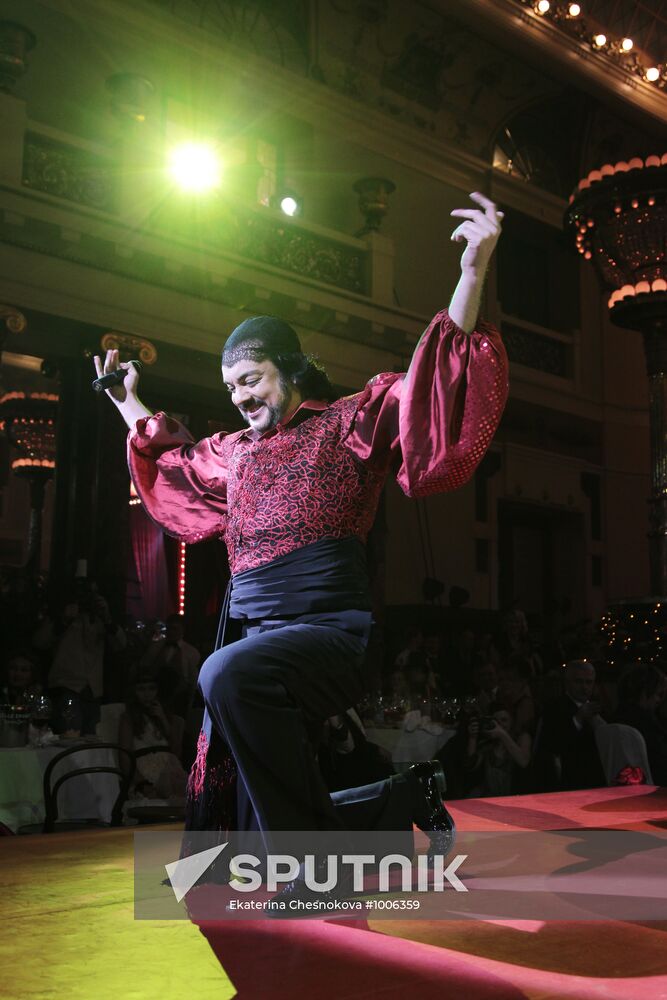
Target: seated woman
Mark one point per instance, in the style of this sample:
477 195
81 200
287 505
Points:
497 755
144 723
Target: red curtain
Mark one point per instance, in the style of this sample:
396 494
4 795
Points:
153 598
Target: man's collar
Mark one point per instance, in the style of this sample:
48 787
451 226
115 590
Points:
301 412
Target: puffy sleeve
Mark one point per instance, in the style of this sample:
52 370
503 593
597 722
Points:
182 485
436 422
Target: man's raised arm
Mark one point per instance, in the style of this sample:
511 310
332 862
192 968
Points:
480 230
124 395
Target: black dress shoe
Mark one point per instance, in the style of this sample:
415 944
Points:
430 814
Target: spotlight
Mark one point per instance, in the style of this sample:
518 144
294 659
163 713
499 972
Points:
290 203
626 44
599 41
652 74
573 10
196 167
542 7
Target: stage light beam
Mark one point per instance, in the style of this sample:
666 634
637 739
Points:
195 167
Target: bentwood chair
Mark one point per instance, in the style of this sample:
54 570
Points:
53 785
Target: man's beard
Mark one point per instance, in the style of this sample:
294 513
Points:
271 414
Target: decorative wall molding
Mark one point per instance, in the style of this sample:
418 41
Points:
68 172
134 347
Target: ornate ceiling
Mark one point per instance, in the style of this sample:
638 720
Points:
563 46
644 21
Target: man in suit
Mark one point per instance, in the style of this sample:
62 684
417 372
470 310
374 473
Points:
568 729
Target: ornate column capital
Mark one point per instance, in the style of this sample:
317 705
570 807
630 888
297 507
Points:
133 347
12 320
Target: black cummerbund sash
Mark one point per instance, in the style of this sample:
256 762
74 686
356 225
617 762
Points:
329 575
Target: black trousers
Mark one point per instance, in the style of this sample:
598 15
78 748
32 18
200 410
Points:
267 695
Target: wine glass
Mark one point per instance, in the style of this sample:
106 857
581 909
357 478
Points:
70 717
451 709
41 712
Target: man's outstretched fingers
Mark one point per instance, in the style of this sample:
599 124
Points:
465 231
476 214
490 207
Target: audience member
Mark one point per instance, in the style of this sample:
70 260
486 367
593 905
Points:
174 663
642 691
423 668
460 662
484 685
78 638
568 729
146 723
420 672
496 754
413 644
514 692
19 684
513 634
513 639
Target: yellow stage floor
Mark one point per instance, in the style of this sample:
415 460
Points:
69 931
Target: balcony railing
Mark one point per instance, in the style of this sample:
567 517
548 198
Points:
75 173
535 347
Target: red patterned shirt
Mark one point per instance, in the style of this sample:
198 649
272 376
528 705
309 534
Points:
320 475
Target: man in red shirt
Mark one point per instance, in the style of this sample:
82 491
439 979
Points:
294 495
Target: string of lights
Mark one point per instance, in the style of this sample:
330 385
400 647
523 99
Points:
634 634
181 578
182 556
571 18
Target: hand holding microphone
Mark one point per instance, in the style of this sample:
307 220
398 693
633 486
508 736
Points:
120 380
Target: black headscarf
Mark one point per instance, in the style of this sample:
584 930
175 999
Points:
261 337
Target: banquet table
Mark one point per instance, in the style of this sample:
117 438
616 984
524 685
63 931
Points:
406 745
88 796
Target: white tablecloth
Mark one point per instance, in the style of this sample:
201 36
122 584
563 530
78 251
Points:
88 796
408 747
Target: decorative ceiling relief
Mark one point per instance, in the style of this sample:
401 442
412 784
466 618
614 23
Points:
422 68
275 30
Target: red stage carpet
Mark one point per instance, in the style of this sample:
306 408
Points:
470 960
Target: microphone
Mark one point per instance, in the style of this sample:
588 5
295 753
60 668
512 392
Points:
114 378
